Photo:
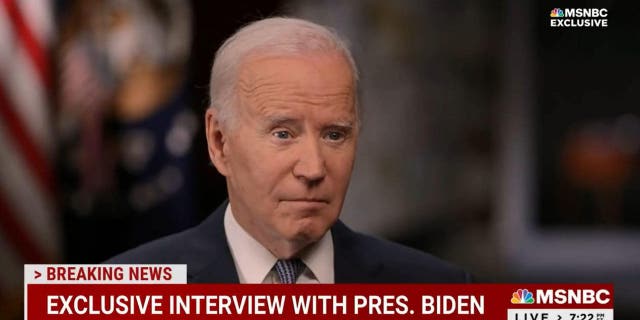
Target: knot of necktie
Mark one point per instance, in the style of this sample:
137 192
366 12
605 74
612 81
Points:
289 270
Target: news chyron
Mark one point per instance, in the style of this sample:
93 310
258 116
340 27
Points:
161 291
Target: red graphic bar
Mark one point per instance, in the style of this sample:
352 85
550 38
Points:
369 301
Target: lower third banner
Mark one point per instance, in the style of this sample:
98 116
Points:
365 301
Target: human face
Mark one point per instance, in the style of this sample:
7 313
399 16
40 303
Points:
289 149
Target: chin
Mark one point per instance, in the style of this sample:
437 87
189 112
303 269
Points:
309 230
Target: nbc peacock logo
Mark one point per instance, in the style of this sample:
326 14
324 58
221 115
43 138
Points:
557 13
522 296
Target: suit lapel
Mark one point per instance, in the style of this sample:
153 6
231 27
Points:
351 261
212 261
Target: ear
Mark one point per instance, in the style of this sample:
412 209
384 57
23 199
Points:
216 140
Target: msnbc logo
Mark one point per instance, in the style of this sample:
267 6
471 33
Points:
557 13
522 296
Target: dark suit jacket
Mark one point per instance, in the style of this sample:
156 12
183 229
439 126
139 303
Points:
358 258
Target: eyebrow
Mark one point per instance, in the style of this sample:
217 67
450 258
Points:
346 126
281 121
276 121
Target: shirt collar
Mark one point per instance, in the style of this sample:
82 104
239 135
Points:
319 259
254 262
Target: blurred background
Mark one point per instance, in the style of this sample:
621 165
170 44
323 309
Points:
489 138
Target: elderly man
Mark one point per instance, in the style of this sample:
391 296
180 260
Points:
282 128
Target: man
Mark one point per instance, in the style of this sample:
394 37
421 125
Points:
282 128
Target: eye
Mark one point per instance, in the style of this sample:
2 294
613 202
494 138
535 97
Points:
282 134
335 135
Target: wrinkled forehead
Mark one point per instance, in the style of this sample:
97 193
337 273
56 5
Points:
247 65
270 81
284 83
323 78
320 66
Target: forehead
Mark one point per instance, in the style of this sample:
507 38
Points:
269 81
312 70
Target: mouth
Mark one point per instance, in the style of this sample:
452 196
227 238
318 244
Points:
307 203
305 200
308 199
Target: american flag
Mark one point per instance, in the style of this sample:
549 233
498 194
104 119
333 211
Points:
29 230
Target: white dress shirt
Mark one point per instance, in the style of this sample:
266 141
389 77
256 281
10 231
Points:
254 263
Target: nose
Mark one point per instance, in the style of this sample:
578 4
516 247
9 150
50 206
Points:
310 167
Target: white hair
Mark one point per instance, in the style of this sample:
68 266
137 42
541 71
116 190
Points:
281 36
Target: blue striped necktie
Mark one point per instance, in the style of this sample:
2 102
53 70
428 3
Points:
289 270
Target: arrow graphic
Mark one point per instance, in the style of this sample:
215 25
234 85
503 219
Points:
38 274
